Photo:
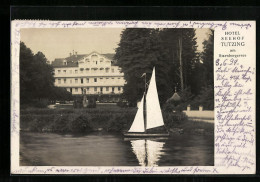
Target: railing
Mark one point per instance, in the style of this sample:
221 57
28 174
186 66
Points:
97 74
93 84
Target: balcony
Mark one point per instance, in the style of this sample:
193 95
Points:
97 73
93 84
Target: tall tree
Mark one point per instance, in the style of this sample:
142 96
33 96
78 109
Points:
36 77
207 58
181 48
27 84
43 75
138 52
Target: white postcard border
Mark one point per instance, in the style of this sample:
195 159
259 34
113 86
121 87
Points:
223 165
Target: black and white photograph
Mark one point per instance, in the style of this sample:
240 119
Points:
116 97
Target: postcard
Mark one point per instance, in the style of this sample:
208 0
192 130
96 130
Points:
133 97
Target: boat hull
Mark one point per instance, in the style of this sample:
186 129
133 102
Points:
134 135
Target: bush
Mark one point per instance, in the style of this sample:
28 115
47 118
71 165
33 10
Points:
60 123
81 124
179 106
205 98
173 118
121 122
35 122
86 120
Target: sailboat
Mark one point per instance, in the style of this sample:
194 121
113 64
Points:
149 115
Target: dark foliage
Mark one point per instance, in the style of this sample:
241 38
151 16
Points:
36 80
142 49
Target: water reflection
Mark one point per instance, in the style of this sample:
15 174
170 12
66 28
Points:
148 152
111 149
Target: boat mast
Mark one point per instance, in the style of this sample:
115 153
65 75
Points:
144 106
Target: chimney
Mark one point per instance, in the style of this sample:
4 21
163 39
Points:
76 53
70 54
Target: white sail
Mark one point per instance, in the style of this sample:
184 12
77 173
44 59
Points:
154 152
138 147
138 124
154 114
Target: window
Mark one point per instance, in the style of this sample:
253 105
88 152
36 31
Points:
107 78
71 90
87 89
81 70
107 70
113 89
101 89
95 89
59 71
107 88
119 88
64 71
81 80
87 80
93 70
64 80
59 81
101 79
76 89
94 58
112 70
76 80
95 79
76 71
119 78
87 70
96 62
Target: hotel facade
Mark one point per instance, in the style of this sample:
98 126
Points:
92 74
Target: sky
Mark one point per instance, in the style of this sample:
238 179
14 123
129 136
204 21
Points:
59 43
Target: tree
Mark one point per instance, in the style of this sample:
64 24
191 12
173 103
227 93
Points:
58 93
43 76
207 58
26 68
36 78
181 48
138 52
205 98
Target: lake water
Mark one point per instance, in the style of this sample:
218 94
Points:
109 149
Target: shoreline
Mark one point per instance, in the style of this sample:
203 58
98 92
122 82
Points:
107 119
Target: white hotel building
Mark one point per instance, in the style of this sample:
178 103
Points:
94 73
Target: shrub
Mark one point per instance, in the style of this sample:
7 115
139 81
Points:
60 123
173 118
120 122
186 99
81 124
205 98
36 122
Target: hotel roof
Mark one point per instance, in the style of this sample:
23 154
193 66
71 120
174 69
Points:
72 61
